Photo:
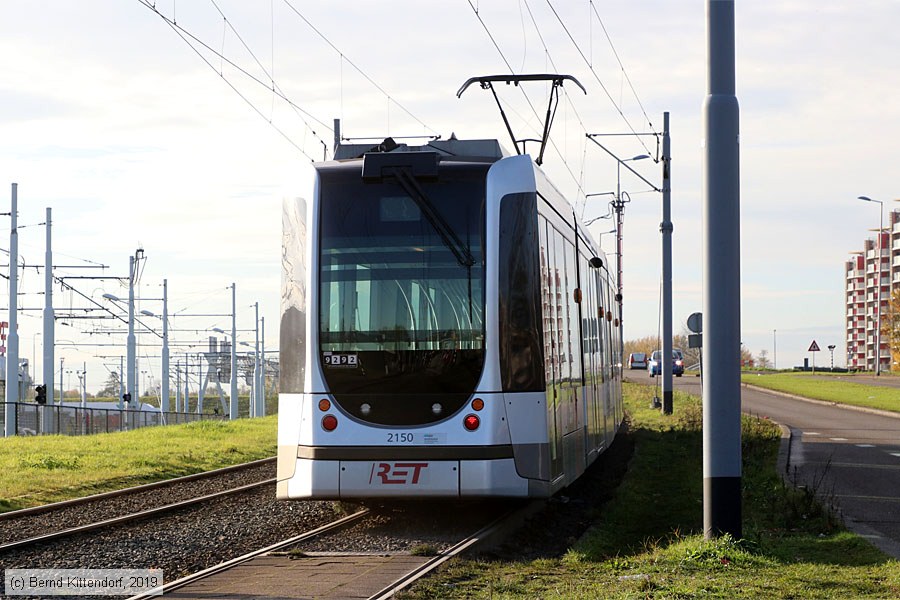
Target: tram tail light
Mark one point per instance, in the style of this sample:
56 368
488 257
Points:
471 422
477 404
329 422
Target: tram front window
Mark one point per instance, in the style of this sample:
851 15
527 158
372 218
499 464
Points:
401 293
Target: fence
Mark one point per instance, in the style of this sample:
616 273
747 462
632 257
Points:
44 419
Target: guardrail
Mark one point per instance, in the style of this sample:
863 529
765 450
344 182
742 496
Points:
46 419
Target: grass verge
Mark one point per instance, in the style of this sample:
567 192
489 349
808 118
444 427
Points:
836 388
41 469
645 542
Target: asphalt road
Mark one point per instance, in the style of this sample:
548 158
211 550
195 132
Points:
854 456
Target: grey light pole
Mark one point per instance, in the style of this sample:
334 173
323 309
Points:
233 401
877 285
665 229
121 383
262 364
12 338
256 362
131 351
721 281
49 317
164 391
775 349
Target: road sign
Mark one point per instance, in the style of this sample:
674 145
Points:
814 347
695 322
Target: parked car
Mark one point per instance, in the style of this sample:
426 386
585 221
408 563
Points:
653 366
637 360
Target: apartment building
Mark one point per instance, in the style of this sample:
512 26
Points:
863 275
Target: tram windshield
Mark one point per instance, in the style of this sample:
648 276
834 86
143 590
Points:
401 292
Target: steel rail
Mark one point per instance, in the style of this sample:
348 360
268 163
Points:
130 517
486 532
34 510
178 583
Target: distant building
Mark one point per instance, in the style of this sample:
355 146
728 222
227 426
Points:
862 275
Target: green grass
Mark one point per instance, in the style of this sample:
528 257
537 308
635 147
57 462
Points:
41 469
842 389
645 542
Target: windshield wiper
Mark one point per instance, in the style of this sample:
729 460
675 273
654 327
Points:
448 236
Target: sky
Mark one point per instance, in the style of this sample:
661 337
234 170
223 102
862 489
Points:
135 139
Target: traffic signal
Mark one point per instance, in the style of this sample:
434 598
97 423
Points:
40 394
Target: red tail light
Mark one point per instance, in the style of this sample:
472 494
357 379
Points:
329 422
471 422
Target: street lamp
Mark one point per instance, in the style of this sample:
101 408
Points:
831 348
878 284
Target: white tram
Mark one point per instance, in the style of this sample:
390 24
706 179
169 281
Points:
448 329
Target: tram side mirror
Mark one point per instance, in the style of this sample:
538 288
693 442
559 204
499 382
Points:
619 298
596 262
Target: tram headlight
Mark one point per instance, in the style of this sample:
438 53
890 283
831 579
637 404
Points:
365 408
329 422
437 408
471 422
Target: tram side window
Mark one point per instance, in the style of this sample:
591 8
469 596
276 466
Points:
551 368
574 342
521 330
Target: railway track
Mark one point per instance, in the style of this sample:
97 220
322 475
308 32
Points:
298 567
176 529
81 515
172 586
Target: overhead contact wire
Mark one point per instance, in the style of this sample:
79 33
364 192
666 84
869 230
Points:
597 77
185 35
358 70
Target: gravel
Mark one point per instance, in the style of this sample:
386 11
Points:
182 542
427 527
19 528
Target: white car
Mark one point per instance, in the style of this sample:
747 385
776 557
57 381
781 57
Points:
637 360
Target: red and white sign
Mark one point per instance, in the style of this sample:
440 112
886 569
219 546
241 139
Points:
396 473
814 347
399 478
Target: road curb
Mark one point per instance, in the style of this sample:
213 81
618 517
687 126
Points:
873 411
783 464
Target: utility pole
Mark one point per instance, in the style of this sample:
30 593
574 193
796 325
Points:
721 282
121 383
49 317
82 379
233 401
256 363
130 349
665 229
12 338
164 384
262 364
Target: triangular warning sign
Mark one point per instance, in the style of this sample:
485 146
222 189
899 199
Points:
814 347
